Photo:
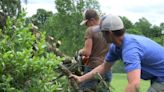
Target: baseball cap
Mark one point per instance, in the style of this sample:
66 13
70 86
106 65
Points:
89 14
111 23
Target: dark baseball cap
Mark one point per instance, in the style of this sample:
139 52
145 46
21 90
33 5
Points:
89 14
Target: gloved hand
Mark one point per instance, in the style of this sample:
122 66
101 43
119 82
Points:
80 52
78 56
81 58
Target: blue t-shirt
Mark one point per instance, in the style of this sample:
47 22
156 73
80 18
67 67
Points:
139 52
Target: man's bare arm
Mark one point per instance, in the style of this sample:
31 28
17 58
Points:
87 49
99 69
133 81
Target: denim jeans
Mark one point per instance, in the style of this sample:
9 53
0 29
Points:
91 84
156 87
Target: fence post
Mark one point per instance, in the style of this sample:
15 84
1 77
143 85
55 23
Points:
162 32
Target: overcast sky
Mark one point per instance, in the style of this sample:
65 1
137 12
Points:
153 10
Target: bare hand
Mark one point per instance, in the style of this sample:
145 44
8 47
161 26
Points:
76 78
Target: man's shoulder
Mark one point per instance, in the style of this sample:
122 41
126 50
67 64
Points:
130 39
135 37
89 29
94 29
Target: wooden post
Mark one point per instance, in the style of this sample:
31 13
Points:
162 32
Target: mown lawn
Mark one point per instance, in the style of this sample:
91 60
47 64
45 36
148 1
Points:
119 83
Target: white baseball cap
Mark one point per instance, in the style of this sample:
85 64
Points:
111 23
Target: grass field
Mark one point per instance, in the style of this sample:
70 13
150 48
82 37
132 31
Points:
119 83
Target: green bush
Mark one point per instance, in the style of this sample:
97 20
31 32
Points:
19 70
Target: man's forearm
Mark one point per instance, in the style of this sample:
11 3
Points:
132 88
133 81
100 69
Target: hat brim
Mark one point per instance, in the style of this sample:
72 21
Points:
83 22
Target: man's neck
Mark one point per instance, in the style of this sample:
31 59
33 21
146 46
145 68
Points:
119 41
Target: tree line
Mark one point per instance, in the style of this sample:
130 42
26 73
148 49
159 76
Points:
64 25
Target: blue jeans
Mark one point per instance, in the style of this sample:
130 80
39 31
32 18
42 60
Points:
91 84
156 87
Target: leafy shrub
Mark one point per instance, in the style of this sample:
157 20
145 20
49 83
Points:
19 71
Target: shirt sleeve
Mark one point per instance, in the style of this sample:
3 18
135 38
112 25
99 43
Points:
111 55
131 57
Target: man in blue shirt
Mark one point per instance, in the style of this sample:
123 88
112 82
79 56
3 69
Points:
142 57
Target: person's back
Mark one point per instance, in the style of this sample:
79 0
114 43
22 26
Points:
94 50
151 56
99 47
150 48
